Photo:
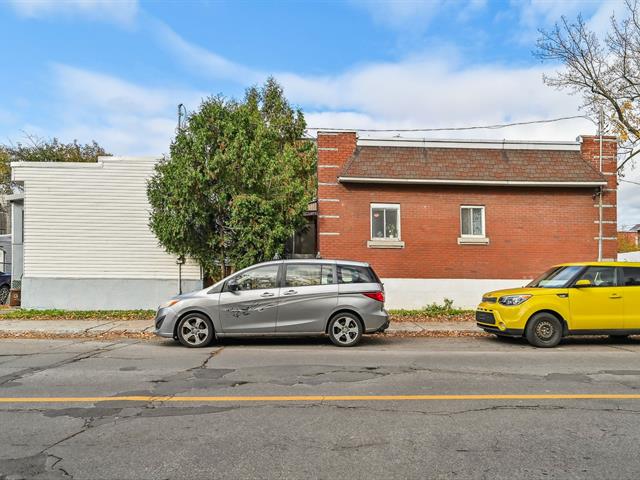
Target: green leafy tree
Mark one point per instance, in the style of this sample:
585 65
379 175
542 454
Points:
36 149
237 181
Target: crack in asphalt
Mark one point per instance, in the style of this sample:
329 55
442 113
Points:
4 380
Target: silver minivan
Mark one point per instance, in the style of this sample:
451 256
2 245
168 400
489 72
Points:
341 299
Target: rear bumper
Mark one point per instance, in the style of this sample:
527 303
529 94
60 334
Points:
376 322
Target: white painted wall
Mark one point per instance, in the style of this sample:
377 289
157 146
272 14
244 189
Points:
85 225
410 293
629 257
90 220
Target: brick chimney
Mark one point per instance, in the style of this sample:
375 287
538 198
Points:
590 150
334 150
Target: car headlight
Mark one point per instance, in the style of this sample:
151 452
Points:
513 300
169 303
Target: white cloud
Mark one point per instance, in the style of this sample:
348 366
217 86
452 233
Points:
200 59
123 117
415 15
119 11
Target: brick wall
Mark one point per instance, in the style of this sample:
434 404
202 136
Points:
529 229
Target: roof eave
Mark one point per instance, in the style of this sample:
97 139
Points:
506 183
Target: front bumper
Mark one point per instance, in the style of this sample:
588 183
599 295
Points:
493 319
165 322
507 332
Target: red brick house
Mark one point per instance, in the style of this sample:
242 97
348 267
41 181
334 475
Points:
629 238
450 219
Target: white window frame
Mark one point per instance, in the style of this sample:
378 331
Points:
468 235
395 206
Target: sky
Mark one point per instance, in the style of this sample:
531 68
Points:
114 71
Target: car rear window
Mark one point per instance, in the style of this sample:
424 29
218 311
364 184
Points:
356 274
631 276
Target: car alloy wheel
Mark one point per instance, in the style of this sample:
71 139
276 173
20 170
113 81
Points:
345 330
195 331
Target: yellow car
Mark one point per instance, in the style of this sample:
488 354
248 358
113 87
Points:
591 298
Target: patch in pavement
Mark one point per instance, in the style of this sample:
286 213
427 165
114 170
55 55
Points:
40 466
289 375
621 372
182 411
569 377
84 413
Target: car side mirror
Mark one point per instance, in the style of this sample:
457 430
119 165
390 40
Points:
583 283
233 286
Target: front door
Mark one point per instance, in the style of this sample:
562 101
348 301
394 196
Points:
598 306
631 293
308 296
249 301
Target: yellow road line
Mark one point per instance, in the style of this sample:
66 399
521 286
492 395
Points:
323 398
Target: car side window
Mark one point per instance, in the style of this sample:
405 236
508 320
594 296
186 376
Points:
355 274
600 276
256 279
631 276
308 274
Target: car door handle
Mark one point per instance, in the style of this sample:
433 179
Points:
615 295
290 292
267 294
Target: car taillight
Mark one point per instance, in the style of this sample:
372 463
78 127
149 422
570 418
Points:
379 296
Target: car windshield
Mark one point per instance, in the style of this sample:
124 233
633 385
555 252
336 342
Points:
558 277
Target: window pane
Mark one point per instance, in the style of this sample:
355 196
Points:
355 274
477 221
465 213
556 277
600 276
631 276
391 223
327 274
304 275
258 278
377 223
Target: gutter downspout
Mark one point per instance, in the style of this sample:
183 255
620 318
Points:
600 128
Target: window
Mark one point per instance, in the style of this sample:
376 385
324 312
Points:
308 274
472 221
385 221
257 278
356 274
600 276
631 276
558 277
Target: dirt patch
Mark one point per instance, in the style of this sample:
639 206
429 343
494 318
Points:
425 317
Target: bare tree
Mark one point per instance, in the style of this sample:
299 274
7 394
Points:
605 71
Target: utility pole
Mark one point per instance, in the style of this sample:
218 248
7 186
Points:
182 113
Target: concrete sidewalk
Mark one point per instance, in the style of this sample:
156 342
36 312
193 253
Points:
95 328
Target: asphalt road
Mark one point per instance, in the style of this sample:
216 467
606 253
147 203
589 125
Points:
306 409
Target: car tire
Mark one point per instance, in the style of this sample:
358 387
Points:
345 330
195 330
544 330
4 294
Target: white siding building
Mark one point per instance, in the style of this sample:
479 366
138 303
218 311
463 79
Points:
87 244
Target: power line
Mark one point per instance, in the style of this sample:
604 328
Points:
442 129
628 181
